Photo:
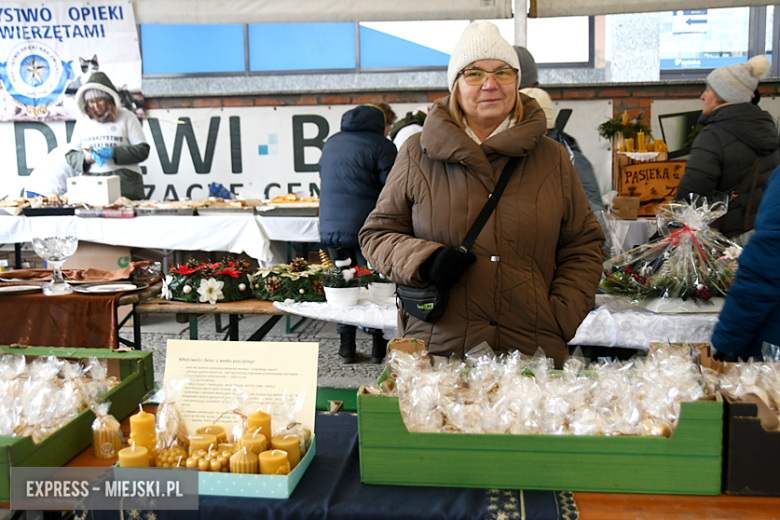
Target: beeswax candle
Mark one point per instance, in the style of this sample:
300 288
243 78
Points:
274 462
255 442
290 443
203 441
216 430
259 421
244 461
134 457
142 433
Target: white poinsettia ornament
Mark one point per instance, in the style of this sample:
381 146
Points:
166 287
210 290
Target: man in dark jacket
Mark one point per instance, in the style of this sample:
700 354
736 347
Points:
737 150
353 170
751 314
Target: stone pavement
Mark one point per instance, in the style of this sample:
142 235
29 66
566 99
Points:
157 329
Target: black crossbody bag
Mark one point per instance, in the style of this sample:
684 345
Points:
428 303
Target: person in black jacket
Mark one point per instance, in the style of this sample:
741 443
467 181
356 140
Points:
737 150
353 170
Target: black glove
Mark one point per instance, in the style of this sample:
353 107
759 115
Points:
445 266
717 355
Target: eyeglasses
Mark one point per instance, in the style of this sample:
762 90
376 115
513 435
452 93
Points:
477 77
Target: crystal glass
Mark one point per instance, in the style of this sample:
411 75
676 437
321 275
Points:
55 250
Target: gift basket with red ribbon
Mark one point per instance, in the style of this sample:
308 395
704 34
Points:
692 261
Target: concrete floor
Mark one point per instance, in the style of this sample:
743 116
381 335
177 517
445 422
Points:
157 329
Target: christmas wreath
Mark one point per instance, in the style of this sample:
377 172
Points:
624 126
225 281
299 281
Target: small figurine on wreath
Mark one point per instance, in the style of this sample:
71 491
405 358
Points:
225 281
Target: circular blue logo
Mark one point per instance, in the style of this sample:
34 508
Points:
34 70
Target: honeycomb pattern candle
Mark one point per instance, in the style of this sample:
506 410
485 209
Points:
142 433
290 443
274 462
216 430
244 461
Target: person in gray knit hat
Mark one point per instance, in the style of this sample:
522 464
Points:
531 275
107 139
736 151
529 73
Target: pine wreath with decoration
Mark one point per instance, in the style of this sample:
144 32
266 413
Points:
199 282
299 281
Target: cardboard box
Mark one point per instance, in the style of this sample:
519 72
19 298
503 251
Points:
135 371
94 190
98 256
751 442
687 463
625 208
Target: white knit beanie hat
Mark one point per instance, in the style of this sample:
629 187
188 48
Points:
480 41
543 98
736 83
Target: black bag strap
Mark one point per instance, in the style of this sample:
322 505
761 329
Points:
492 202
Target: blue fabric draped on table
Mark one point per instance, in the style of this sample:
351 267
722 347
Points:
331 489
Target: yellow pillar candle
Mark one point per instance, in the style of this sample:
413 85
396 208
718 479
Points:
216 430
629 145
255 442
259 421
203 441
625 121
142 433
274 462
640 142
134 457
290 443
244 461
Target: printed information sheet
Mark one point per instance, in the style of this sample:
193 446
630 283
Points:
262 370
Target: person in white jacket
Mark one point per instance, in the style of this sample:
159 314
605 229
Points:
107 139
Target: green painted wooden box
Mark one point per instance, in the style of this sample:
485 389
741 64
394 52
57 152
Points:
688 463
134 370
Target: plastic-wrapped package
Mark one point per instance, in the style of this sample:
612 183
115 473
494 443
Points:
512 394
106 435
11 384
40 399
169 423
691 261
285 413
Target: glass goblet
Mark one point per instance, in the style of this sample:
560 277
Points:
55 250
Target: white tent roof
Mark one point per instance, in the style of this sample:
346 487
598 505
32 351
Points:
553 8
298 11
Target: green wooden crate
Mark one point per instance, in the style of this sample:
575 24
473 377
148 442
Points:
688 463
134 369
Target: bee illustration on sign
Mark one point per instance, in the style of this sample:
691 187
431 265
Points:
35 77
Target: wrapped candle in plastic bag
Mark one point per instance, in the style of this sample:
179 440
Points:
691 261
11 384
106 434
285 413
169 423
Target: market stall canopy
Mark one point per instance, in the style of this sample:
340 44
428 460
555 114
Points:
299 11
553 8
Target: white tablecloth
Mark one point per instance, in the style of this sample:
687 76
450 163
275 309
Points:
236 234
291 229
607 326
375 314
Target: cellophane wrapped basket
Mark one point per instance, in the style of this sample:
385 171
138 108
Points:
692 261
